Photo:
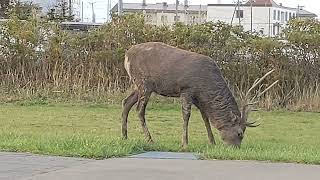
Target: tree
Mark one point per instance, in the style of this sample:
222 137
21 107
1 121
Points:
23 10
4 7
61 12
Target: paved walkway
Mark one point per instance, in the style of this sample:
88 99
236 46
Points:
17 166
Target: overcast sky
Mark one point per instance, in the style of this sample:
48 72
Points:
101 5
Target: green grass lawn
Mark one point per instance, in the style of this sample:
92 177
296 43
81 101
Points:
94 132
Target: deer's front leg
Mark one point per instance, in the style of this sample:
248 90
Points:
208 127
186 102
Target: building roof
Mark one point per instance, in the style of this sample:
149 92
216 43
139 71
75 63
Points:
271 3
160 7
262 3
302 12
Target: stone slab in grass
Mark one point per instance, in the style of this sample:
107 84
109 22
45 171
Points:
165 155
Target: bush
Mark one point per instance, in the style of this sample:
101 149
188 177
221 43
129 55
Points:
39 59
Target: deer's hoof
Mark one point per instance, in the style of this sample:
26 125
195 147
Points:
184 148
150 141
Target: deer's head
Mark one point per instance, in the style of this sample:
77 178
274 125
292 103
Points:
233 133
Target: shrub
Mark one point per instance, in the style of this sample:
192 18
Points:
38 59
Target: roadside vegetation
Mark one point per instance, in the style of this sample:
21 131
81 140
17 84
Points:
39 61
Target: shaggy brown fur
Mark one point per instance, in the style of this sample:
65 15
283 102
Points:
196 79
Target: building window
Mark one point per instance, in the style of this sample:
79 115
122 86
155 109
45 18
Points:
282 16
164 19
278 15
176 18
290 16
192 19
286 16
261 31
276 29
274 14
239 14
293 15
148 18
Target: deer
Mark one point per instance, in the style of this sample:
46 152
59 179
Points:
155 67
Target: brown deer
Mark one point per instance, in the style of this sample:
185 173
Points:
196 79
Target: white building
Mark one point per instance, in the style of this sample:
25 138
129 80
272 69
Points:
268 18
165 14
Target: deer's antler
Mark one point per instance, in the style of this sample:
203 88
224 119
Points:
249 102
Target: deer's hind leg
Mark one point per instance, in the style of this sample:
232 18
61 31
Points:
144 96
127 104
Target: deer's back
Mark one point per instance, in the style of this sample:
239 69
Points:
169 70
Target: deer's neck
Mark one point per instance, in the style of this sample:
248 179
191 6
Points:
219 104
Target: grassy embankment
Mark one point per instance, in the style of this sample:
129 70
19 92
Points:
94 132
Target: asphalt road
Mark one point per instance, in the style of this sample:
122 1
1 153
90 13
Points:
18 166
